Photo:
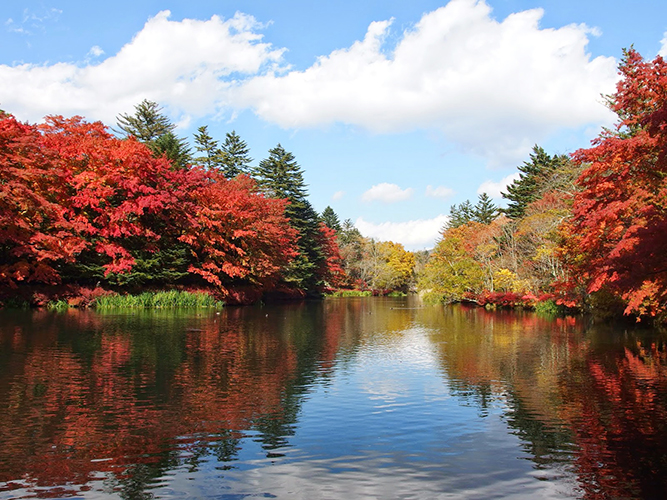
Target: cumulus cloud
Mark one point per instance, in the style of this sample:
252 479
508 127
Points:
387 193
494 189
438 192
414 235
185 65
494 87
663 48
338 195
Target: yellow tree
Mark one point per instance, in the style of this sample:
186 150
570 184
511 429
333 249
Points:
451 272
399 265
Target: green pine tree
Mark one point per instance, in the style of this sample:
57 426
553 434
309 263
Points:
460 214
485 210
528 187
280 176
211 155
150 126
147 123
235 157
330 218
174 148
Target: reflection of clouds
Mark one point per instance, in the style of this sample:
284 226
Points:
483 469
390 363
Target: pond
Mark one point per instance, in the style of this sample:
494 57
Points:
344 398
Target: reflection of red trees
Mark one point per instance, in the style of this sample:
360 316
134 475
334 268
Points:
98 409
84 416
619 419
228 379
610 404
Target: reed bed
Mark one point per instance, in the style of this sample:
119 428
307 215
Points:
350 293
158 300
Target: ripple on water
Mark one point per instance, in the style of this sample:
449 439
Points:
329 401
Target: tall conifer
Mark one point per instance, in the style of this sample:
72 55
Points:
235 156
211 156
280 176
528 187
485 210
150 126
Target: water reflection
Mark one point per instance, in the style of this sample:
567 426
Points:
591 396
367 397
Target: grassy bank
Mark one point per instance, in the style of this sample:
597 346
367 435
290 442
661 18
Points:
158 300
365 293
350 293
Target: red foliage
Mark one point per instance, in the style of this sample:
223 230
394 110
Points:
617 238
238 234
505 299
69 186
34 232
111 186
331 269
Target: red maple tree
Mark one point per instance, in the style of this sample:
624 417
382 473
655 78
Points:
69 189
34 232
617 237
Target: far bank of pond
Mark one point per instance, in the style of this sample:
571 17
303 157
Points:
359 397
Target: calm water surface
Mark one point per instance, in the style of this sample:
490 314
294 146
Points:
347 398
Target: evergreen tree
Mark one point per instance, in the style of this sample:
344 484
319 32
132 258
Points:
211 154
280 176
174 148
330 218
150 126
349 233
460 214
485 210
527 188
147 123
235 156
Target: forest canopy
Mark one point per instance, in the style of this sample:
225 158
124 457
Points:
82 207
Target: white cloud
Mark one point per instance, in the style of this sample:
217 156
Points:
494 87
494 189
387 193
95 51
182 65
438 192
338 195
33 20
414 235
14 28
663 48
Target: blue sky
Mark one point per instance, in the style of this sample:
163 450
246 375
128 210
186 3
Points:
395 110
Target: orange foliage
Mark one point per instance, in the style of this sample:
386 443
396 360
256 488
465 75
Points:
238 234
617 238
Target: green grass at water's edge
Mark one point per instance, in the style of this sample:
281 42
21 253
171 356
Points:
350 293
158 300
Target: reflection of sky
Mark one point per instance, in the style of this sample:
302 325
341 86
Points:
385 427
